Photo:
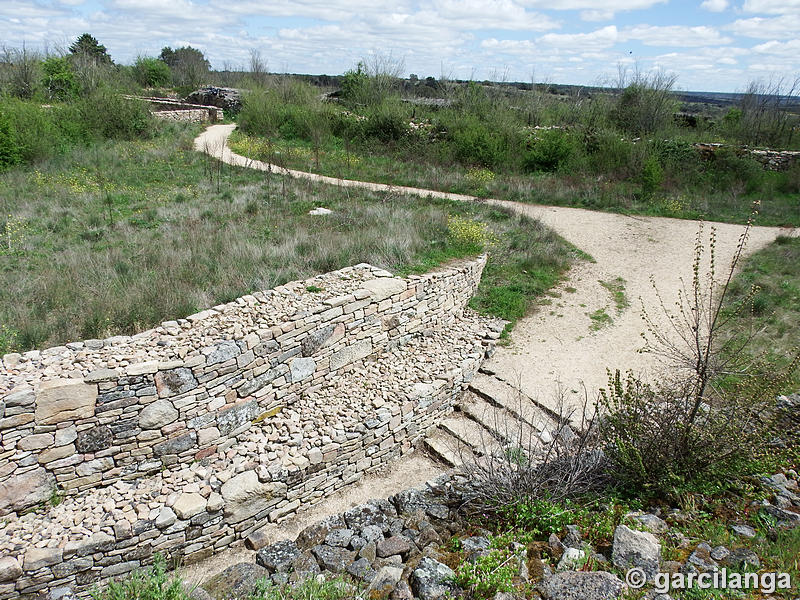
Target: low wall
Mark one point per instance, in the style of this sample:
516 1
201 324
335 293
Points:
189 437
771 160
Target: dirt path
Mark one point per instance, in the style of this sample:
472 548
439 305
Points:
559 349
555 352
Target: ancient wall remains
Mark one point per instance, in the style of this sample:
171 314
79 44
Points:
189 437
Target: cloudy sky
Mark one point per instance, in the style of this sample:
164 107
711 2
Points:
712 45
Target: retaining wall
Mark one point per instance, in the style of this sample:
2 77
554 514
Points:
111 420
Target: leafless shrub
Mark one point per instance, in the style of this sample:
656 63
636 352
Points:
765 116
20 74
561 461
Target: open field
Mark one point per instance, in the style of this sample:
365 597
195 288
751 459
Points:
119 236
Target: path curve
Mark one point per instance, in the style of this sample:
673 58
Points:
554 352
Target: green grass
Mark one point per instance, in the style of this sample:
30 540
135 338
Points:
773 314
116 237
616 287
600 318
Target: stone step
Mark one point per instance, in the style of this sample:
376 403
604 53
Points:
449 449
504 395
505 426
471 433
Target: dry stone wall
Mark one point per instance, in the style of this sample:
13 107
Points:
189 437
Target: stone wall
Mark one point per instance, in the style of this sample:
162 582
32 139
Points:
177 110
771 160
191 436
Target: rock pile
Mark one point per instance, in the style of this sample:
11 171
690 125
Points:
228 99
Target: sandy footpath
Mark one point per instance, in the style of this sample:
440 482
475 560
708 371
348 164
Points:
554 352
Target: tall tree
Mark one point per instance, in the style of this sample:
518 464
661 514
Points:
87 46
189 65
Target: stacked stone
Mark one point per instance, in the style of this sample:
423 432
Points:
271 418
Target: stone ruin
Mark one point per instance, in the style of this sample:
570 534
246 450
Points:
188 438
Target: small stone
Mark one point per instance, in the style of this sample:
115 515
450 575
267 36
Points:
9 569
571 560
36 558
157 415
396 544
579 585
744 531
237 582
339 538
165 518
432 580
215 502
384 581
333 559
361 569
278 557
652 523
188 505
636 549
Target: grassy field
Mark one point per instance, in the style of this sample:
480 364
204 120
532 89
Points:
522 146
115 237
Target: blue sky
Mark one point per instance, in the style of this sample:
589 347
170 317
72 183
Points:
711 45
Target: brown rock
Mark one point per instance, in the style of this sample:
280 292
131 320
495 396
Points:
64 400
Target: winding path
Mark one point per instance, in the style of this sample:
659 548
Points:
555 352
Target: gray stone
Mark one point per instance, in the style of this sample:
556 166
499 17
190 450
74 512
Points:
157 414
94 439
369 551
25 491
374 512
720 553
314 340
315 533
579 585
234 417
304 567
302 368
432 580
636 549
221 352
384 288
174 382
701 558
372 533
476 543
396 544
176 445
62 400
333 559
245 496
278 557
339 538
262 380
229 99
361 569
9 569
236 582
571 560
348 354
652 523
744 531
20 398
402 592
573 538
65 436
166 517
384 581
743 558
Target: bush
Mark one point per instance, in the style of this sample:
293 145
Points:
385 123
652 177
474 143
106 114
469 234
145 584
151 72
9 149
709 413
550 151
59 78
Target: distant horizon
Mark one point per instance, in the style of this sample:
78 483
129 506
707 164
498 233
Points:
712 45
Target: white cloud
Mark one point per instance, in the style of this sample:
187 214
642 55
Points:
714 5
772 7
674 35
602 5
774 28
597 15
594 40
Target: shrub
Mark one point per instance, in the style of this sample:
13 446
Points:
646 104
145 584
355 85
106 114
474 143
652 177
385 123
488 574
709 413
466 233
151 72
550 151
309 589
9 149
59 78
